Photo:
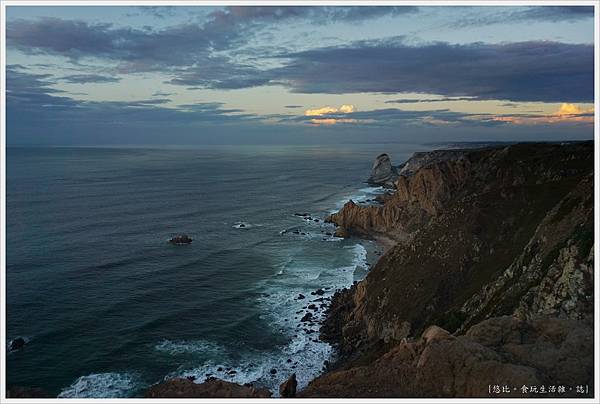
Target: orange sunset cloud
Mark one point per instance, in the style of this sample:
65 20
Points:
326 110
566 113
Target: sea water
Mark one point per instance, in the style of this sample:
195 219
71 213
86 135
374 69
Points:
108 307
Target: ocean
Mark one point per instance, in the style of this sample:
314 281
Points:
108 307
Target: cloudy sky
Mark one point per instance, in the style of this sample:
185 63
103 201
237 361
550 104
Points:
293 74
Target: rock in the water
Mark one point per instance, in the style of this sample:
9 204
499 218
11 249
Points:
307 317
300 296
287 389
181 239
383 173
214 388
17 343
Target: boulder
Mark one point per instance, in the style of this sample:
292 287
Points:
17 343
287 389
497 351
307 317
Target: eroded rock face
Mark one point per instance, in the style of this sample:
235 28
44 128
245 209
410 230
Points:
502 351
383 173
287 389
481 234
214 388
553 275
422 188
506 230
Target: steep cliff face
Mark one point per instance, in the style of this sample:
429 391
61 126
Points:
481 234
425 184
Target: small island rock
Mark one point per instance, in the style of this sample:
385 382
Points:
181 239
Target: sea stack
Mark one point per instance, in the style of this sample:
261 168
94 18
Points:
383 173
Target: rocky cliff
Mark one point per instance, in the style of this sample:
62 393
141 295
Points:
383 173
481 234
501 353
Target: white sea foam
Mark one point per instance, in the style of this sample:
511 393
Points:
305 352
188 347
100 385
359 196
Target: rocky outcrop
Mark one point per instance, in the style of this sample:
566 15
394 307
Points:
383 173
502 351
17 343
212 388
287 389
422 188
553 275
480 234
181 239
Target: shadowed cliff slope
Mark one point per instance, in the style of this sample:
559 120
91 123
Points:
503 231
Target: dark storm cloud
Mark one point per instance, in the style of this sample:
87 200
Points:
32 91
31 103
523 71
185 44
138 50
89 78
221 73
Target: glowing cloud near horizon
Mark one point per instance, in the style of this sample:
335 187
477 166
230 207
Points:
566 113
344 109
326 110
